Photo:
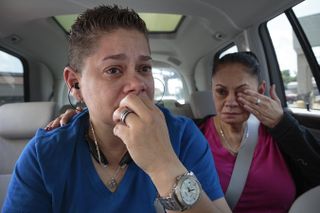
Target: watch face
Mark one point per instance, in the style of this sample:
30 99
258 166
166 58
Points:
190 191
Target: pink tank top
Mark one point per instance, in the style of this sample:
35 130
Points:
269 186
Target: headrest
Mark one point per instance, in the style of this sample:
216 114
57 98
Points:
201 103
21 120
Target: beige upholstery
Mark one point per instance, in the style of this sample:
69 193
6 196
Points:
18 124
201 103
308 202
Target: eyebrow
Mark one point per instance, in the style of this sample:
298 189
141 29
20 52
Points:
123 56
238 87
242 85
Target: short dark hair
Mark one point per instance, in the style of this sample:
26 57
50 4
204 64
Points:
91 24
246 58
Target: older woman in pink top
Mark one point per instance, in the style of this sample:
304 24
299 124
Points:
270 185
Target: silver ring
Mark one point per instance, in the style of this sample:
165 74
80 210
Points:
258 101
124 115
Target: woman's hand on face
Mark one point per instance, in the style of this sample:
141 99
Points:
267 109
62 119
146 135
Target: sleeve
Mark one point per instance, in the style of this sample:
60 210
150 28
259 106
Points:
301 151
26 191
197 157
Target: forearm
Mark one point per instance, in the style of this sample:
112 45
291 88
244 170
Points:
301 151
295 140
167 180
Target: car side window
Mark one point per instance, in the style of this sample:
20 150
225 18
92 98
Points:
299 82
11 79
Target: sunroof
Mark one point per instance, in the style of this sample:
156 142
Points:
156 22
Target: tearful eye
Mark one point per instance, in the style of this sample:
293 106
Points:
145 69
113 71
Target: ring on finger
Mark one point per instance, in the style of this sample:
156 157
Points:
258 101
124 115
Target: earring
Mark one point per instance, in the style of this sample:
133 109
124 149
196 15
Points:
81 104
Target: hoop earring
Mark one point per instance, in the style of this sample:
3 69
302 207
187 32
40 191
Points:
160 102
80 103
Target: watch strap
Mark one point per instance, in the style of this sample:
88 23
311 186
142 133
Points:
172 202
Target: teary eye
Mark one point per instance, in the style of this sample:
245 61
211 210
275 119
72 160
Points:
145 68
113 70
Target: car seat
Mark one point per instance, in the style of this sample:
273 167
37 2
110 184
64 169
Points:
18 124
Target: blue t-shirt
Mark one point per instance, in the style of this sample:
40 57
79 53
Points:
55 172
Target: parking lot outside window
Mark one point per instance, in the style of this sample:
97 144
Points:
300 86
11 79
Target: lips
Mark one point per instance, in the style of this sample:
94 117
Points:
231 113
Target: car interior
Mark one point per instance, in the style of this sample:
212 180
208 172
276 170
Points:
185 38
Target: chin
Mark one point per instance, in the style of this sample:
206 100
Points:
234 119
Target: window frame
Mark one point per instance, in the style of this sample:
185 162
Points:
305 45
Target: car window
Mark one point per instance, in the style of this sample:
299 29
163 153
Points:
168 83
11 79
300 87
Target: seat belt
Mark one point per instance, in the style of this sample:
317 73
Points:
242 164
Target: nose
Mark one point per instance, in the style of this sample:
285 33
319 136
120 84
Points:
135 83
231 100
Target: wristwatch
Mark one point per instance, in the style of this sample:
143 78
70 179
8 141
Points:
185 193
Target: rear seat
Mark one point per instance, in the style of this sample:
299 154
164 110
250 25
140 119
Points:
176 108
18 124
201 103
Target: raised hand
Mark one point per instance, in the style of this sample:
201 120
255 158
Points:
267 109
146 136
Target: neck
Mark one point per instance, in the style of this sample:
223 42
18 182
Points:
232 128
111 146
233 133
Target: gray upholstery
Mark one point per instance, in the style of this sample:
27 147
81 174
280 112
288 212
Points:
19 122
307 202
201 103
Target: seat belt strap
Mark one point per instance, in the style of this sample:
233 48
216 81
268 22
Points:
242 164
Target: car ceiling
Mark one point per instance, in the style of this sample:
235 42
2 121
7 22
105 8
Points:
26 27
